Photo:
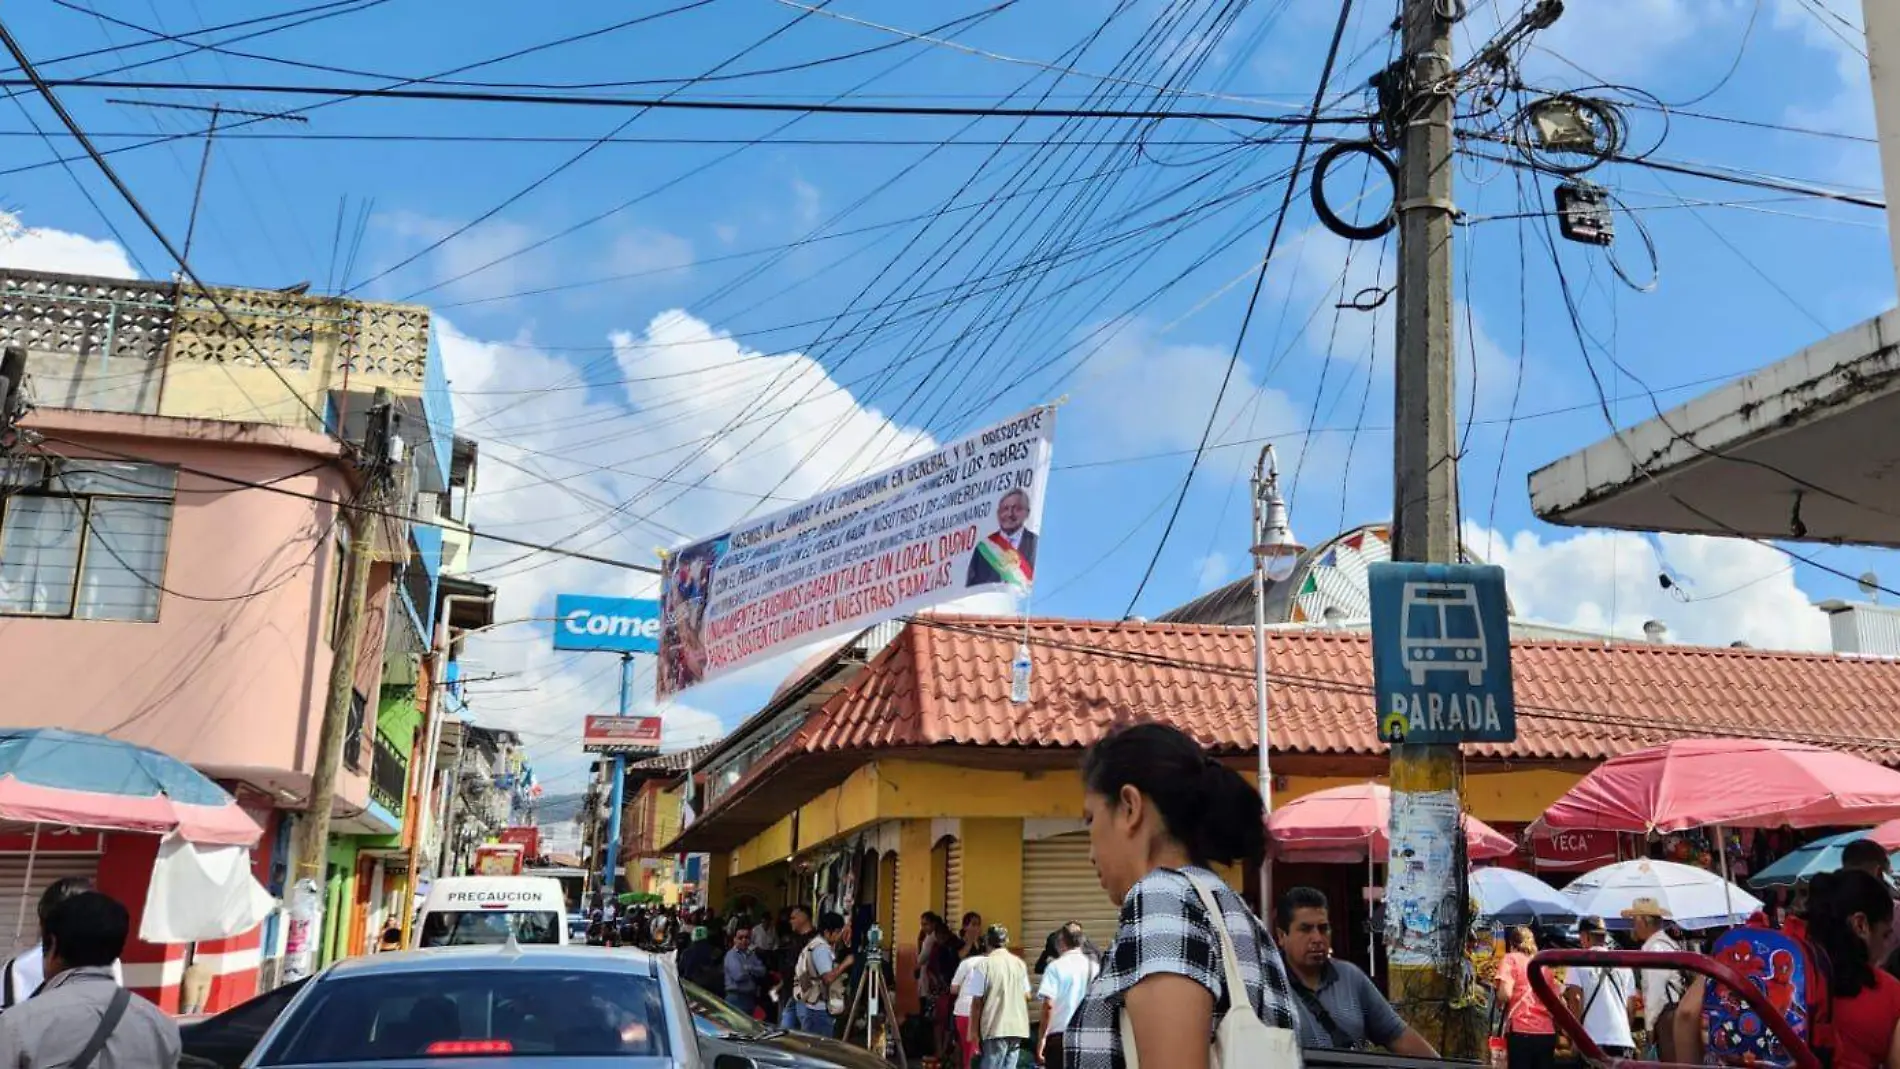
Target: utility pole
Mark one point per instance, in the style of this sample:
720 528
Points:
380 447
618 790
1427 987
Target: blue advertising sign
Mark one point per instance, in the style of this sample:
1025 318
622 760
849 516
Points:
1441 653
618 625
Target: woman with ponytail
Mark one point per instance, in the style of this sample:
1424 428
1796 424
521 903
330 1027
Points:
1159 811
1849 923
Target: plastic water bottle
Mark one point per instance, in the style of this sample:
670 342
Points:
1019 675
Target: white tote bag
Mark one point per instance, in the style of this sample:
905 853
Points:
1241 1040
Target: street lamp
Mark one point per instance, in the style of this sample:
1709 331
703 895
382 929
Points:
1275 552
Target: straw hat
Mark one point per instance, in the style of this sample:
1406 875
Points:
1646 907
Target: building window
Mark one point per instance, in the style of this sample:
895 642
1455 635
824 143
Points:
83 539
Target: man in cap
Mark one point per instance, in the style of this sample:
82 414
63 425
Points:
1603 998
999 1017
1661 988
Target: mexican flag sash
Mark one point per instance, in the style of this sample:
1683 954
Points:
1009 562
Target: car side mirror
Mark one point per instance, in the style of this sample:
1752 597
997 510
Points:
733 1061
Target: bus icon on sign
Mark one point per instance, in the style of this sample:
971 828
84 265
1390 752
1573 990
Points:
1443 632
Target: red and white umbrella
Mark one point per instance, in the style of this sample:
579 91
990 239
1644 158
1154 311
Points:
1352 823
1732 783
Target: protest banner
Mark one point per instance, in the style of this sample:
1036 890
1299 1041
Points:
961 520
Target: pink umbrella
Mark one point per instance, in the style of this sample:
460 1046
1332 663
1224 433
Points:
1887 835
1348 824
1735 783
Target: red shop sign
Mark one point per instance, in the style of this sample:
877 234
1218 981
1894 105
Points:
1575 849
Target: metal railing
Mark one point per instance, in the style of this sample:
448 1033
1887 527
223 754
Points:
388 776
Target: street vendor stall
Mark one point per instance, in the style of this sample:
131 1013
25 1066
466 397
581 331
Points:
201 887
1724 784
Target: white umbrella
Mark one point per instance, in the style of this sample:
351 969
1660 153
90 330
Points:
1694 898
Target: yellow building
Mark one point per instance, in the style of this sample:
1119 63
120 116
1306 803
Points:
913 783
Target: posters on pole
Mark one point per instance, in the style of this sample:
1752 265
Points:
958 521
1422 887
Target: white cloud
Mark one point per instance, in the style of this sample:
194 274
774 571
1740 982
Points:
790 432
726 233
39 249
807 202
650 251
472 251
1211 571
1737 590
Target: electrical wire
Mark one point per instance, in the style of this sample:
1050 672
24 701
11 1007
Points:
204 293
1279 222
383 513
696 104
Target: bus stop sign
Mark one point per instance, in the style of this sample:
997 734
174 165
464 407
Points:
1441 653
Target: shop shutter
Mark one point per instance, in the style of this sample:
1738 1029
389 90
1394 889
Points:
1059 886
953 883
893 914
15 892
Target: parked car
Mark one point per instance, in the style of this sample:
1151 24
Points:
724 1033
224 1041
539 1006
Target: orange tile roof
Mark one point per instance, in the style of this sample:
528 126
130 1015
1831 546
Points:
946 680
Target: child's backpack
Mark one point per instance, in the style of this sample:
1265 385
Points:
1788 974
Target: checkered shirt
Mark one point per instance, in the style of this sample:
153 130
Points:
1165 929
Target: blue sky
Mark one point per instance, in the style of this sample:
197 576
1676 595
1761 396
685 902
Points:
634 331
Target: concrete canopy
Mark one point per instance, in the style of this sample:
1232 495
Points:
1807 449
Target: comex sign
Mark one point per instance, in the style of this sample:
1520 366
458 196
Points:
619 625
1441 653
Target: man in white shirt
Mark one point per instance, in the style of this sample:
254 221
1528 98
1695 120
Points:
1662 988
967 986
1063 984
1601 996
27 970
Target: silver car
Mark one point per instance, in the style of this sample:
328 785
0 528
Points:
516 1006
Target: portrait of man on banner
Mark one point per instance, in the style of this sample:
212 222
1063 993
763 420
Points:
1008 555
689 577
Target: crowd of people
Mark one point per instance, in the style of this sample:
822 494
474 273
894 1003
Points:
1845 917
1190 953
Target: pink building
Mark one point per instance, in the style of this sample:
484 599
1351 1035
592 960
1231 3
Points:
171 541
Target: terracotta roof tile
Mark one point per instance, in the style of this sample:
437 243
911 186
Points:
946 680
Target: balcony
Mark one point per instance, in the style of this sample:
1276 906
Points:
226 353
388 776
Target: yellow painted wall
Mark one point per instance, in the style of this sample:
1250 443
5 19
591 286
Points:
773 844
717 878
993 872
914 896
844 808
921 789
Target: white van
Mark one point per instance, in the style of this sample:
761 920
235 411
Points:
480 910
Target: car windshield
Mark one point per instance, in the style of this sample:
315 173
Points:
474 1012
489 927
722 1019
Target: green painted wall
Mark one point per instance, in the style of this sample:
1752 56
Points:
337 895
398 717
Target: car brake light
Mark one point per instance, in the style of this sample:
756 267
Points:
449 1047
494 905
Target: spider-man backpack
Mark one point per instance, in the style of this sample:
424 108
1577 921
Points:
1788 973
